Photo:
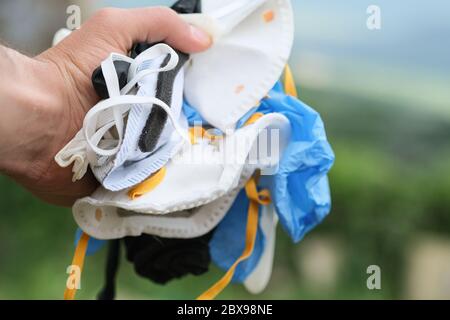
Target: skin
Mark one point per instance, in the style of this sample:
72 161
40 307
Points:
44 99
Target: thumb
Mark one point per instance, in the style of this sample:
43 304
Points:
117 30
124 27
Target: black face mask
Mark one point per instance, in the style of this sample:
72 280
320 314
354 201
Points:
162 260
158 259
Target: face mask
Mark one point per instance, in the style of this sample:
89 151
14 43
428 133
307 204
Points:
132 154
226 81
162 259
108 222
207 183
150 139
202 194
157 259
236 20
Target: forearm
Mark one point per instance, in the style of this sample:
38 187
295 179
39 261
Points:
26 104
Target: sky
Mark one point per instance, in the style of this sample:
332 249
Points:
414 33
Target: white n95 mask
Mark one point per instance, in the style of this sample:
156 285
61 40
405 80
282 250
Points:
109 222
190 184
123 154
252 43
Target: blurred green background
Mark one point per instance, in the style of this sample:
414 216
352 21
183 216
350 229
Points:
384 97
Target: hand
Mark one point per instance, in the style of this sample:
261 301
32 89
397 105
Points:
43 100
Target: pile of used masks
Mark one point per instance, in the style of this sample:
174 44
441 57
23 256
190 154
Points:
199 157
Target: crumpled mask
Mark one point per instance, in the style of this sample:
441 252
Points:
226 81
121 156
226 87
114 223
223 83
162 259
208 177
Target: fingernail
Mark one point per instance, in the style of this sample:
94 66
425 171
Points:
201 36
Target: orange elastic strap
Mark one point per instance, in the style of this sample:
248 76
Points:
200 132
78 260
289 84
256 199
255 117
148 185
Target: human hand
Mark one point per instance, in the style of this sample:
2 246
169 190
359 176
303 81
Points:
45 98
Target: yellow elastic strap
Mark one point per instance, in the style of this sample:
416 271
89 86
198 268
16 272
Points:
256 199
148 185
194 133
263 197
200 132
289 83
255 117
78 260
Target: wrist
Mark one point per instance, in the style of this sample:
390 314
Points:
29 120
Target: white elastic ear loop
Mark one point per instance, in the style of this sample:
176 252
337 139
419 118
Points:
113 87
118 101
150 54
110 75
112 83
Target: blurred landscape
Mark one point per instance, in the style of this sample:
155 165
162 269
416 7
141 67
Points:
384 97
